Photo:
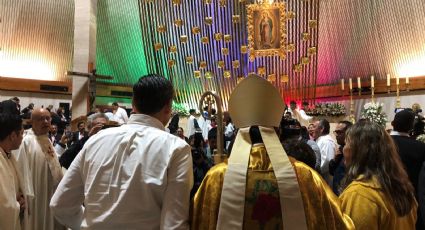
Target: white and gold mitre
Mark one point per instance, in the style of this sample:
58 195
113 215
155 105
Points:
256 102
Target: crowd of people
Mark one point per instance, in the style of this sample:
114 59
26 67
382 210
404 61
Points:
142 175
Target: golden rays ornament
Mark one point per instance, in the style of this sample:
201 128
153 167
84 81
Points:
183 38
218 36
235 64
178 22
205 40
158 46
161 29
224 51
227 38
208 21
202 64
189 59
244 49
196 30
284 78
236 18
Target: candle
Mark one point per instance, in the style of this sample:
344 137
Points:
351 84
342 84
359 84
388 80
407 80
397 80
372 81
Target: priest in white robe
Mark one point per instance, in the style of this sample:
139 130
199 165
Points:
136 176
300 114
37 156
12 189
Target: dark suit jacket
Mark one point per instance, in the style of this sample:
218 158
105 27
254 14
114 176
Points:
76 134
421 197
412 154
68 156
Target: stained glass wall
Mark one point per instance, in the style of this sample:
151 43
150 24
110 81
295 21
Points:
119 50
200 45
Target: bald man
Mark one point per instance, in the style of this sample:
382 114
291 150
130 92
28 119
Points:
37 158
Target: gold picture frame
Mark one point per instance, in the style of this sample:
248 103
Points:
266 30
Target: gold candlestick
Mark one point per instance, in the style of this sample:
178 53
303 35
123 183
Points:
397 103
351 117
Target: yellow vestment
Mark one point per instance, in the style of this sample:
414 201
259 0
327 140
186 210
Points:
262 208
370 209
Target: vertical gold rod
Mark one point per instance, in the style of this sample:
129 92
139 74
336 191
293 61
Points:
398 104
351 107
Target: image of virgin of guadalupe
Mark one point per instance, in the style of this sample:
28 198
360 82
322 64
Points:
266 31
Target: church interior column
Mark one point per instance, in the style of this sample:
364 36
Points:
84 53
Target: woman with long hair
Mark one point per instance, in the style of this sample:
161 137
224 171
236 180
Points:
378 193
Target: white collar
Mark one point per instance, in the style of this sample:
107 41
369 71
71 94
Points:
396 133
143 119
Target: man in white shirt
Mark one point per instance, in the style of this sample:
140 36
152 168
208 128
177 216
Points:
327 147
120 115
204 123
136 176
191 123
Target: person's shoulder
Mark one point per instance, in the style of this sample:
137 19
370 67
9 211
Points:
162 137
306 173
363 189
407 141
217 170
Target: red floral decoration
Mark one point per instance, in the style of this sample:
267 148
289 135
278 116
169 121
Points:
266 207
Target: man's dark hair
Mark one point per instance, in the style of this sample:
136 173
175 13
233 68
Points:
9 123
115 104
81 122
255 134
289 113
192 111
347 124
403 121
304 133
300 151
174 124
151 93
325 125
292 103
